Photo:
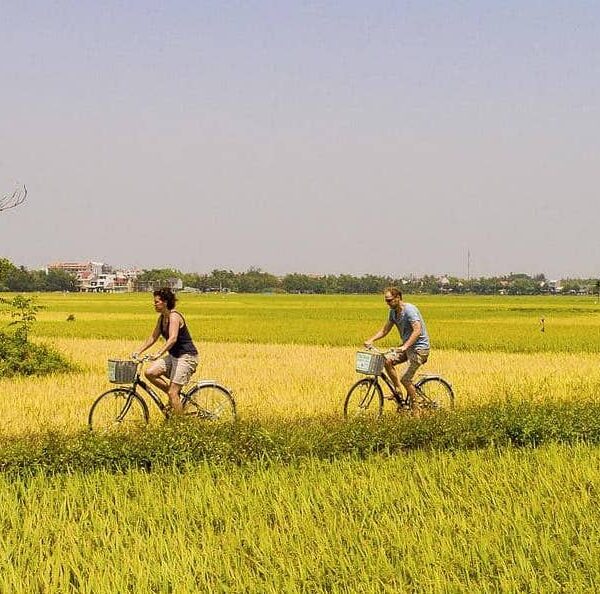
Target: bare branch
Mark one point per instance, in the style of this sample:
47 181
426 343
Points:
11 200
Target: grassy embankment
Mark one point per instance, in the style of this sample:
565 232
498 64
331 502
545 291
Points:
271 514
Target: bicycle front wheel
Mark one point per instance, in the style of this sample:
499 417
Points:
364 400
120 409
210 402
436 393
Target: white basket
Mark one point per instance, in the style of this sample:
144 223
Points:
369 363
121 372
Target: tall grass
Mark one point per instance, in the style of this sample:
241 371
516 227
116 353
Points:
425 522
508 324
291 381
293 499
190 441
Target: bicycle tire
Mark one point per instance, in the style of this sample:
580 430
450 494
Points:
364 400
119 409
436 393
210 402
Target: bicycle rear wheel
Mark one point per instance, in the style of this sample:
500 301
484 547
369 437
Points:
210 402
364 400
120 409
435 394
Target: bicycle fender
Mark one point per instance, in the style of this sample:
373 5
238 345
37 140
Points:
425 376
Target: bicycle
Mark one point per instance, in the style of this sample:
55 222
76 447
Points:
124 407
365 398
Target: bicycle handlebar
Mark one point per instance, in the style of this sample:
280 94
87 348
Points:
379 351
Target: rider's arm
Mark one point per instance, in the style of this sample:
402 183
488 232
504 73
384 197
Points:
416 332
174 321
384 331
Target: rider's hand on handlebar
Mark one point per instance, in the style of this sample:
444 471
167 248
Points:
368 345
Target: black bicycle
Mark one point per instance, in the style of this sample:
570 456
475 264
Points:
125 408
365 398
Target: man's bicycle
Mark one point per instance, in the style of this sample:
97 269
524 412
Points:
125 407
365 398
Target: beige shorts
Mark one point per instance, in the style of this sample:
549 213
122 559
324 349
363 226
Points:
178 369
415 358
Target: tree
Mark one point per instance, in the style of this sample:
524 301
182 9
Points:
20 281
60 280
6 267
14 199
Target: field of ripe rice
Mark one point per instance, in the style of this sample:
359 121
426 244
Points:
301 360
472 323
488 520
292 380
485 521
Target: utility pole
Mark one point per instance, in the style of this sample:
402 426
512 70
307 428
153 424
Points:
468 265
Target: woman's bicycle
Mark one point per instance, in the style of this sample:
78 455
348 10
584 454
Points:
365 398
125 407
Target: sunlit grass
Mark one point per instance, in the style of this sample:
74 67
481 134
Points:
508 324
483 521
510 521
292 380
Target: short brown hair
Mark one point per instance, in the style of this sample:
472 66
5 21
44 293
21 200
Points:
394 291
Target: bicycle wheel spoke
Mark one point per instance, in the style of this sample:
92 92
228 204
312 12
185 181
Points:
210 403
364 400
117 410
435 394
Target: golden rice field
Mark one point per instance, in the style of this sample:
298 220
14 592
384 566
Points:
510 521
480 521
292 380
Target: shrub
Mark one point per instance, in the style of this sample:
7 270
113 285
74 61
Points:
18 355
180 444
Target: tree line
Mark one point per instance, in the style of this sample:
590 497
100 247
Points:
20 280
255 280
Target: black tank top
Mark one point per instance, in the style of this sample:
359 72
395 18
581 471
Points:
184 344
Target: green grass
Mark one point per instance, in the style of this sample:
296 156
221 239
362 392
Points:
485 521
495 498
188 441
472 323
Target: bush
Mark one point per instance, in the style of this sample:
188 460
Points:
19 356
183 443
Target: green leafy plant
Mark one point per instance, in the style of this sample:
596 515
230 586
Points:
20 356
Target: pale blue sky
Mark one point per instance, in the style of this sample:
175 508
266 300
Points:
329 137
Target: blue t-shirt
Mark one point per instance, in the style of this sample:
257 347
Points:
404 323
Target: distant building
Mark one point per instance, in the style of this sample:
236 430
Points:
554 286
97 277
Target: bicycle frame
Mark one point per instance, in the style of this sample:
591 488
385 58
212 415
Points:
405 400
138 381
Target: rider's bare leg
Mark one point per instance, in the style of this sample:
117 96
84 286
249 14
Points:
157 380
174 398
410 390
393 375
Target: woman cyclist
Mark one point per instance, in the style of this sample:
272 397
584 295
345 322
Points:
178 358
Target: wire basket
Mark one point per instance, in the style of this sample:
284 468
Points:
121 372
369 363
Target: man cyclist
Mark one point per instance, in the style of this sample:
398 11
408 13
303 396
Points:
415 341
